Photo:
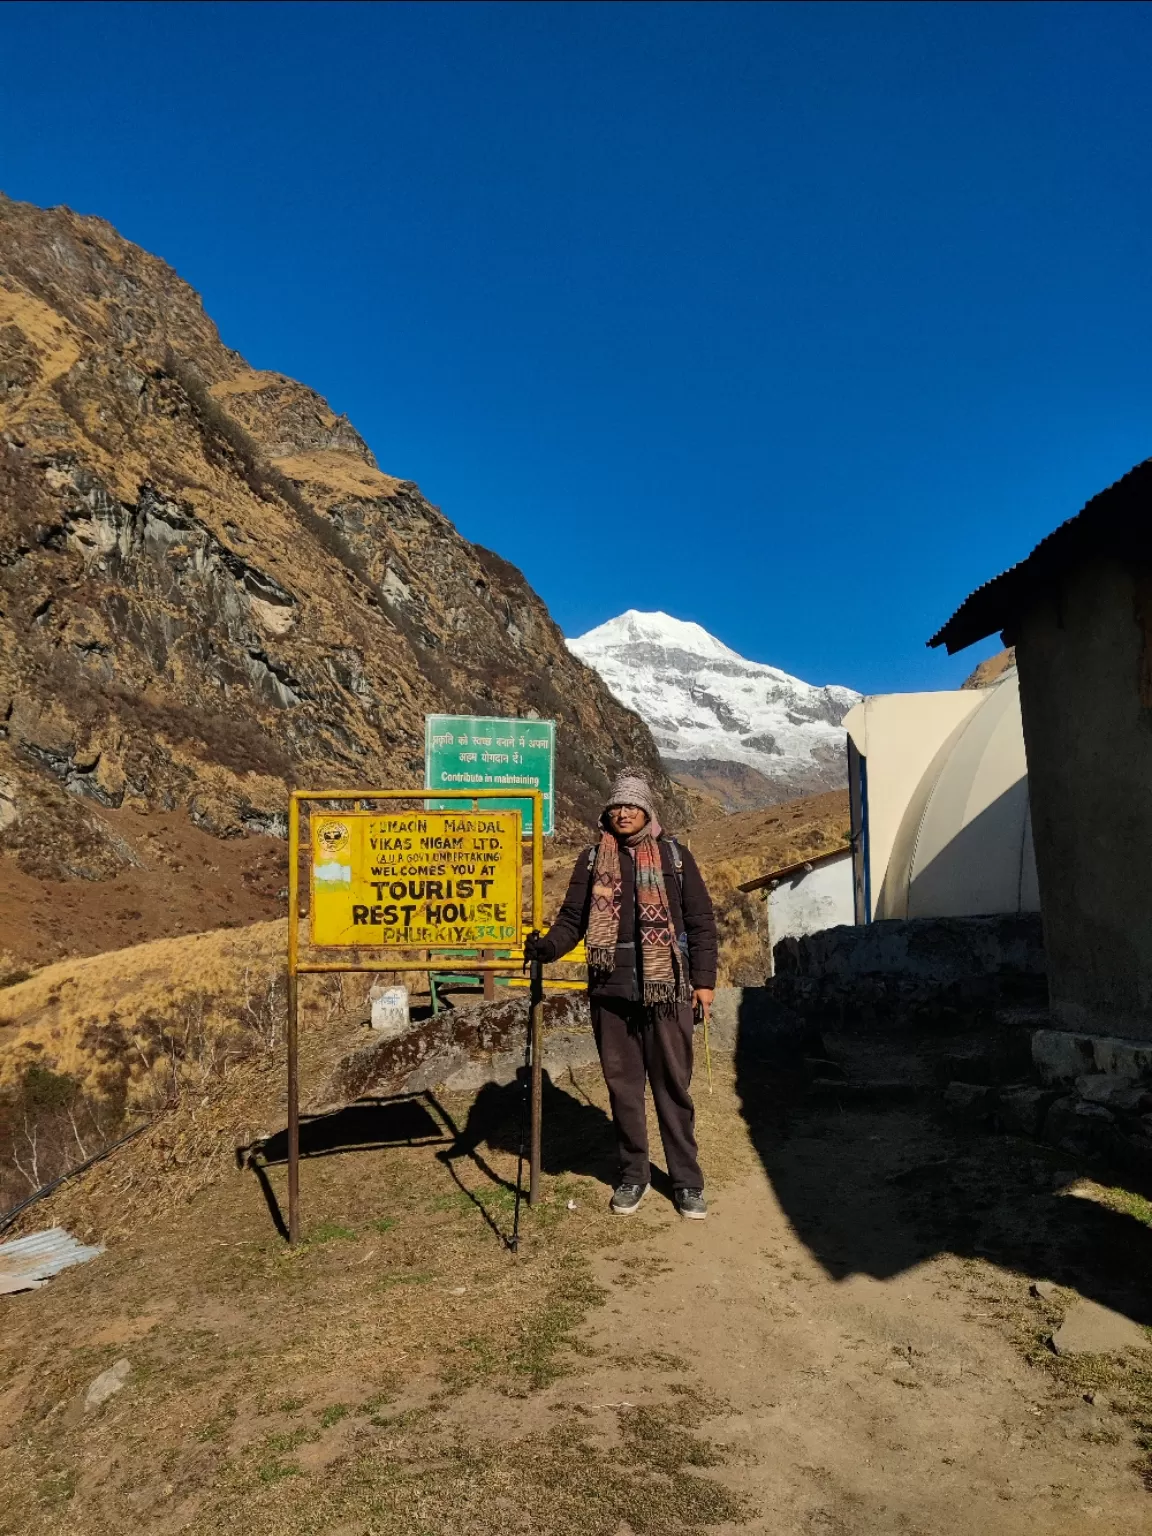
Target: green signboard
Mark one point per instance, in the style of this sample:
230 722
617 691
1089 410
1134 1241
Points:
462 751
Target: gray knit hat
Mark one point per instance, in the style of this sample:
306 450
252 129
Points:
631 788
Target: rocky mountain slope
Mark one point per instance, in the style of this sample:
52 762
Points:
743 731
210 592
991 669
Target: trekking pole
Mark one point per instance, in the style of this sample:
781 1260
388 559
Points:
537 1031
515 1243
702 1017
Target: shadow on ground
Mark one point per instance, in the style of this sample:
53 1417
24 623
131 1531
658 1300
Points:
577 1134
359 1127
876 1188
577 1138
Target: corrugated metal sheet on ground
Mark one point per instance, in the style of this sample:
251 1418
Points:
28 1262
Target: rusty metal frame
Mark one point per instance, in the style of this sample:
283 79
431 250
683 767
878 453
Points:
298 967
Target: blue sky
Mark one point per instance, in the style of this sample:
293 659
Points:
797 321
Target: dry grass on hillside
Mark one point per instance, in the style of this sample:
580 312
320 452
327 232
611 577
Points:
178 880
991 669
90 1047
781 834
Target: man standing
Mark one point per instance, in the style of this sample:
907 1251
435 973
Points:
640 901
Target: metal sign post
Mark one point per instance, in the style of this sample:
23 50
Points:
429 880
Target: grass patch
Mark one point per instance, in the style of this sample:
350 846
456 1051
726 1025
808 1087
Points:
218 1426
296 1328
1130 1204
424 1478
292 1440
57 1488
277 1471
404 1277
331 1232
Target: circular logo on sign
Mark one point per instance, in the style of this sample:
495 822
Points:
333 837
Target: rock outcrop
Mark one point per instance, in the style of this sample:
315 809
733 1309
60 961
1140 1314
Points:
208 589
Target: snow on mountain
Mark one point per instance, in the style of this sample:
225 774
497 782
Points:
742 729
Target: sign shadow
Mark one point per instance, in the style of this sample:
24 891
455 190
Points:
368 1124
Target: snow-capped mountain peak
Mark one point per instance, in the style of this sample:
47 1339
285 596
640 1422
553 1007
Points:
743 728
635 628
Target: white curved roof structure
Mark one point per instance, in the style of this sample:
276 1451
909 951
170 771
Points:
940 813
964 843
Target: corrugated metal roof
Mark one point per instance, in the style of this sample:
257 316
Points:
794 869
29 1262
1118 520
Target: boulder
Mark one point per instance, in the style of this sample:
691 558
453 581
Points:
1079 1127
1023 1109
1114 1090
1060 1056
107 1384
970 1103
482 1042
1091 1329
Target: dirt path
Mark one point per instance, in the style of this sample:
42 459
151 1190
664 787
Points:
863 1406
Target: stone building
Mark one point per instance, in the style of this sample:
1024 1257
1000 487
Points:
1079 611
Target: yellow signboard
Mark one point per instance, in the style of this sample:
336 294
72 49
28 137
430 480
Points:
416 879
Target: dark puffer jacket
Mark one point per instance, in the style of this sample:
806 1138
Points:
691 910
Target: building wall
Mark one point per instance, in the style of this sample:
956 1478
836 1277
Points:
1089 741
899 735
821 898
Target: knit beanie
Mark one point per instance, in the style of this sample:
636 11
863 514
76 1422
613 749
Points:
631 788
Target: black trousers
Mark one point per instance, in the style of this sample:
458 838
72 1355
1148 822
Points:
636 1044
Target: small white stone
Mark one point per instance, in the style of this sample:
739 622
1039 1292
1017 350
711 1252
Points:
107 1384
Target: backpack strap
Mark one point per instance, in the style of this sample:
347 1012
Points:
677 863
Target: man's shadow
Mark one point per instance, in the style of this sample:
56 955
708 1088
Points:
576 1134
576 1137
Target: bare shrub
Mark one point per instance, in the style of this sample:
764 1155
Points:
178 1049
48 1124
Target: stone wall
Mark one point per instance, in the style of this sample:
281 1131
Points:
914 970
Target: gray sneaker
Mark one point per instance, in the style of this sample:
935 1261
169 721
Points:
690 1203
626 1198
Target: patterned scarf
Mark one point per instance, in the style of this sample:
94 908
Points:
661 963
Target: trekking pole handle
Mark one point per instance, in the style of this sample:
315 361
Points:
535 972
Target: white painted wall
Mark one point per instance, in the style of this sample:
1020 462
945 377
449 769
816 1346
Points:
806 903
